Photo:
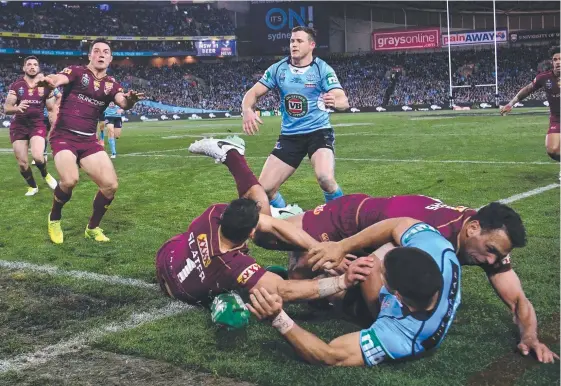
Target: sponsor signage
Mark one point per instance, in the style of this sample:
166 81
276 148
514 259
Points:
533 36
474 37
406 39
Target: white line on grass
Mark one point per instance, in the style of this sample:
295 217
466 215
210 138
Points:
82 340
55 271
186 155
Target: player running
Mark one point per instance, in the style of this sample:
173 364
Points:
26 101
550 81
87 91
419 299
212 257
308 87
113 123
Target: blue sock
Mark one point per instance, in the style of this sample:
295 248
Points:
332 196
112 145
278 201
102 135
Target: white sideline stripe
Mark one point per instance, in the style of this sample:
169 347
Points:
82 340
155 154
362 134
55 271
529 193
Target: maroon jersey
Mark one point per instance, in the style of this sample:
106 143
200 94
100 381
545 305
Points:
34 96
550 83
84 99
198 269
348 215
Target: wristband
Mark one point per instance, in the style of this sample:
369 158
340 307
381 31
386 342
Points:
283 323
331 286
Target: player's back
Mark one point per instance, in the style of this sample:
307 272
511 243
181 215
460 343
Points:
400 333
301 88
202 269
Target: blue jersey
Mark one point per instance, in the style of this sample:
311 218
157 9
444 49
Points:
112 112
301 90
399 333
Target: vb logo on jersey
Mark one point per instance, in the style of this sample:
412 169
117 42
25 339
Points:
296 105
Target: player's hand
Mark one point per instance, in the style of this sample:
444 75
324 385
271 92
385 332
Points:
329 100
264 305
543 353
506 109
22 107
342 268
134 96
251 122
326 255
359 270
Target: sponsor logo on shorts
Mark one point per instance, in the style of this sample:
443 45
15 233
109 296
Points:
202 243
248 273
324 237
89 100
278 145
371 347
319 209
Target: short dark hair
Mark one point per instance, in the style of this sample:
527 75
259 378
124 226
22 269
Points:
500 216
100 40
30 58
309 30
554 50
414 274
239 219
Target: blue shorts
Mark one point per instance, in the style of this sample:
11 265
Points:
115 121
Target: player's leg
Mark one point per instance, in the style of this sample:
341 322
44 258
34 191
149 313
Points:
111 135
117 127
100 169
322 154
20 147
48 126
65 164
37 144
101 130
552 138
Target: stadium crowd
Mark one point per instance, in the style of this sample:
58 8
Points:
423 79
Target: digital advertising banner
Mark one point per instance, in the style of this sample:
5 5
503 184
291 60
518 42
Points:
411 39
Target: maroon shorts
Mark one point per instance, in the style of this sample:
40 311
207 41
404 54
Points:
553 124
172 249
80 145
24 131
334 220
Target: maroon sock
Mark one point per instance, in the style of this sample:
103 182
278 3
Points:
100 206
241 172
28 176
60 198
42 166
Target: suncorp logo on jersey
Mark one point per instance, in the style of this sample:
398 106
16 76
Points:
474 37
406 39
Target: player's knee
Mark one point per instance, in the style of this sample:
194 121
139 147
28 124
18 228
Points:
68 182
23 164
110 188
271 191
327 182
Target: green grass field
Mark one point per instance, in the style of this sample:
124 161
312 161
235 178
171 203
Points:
461 159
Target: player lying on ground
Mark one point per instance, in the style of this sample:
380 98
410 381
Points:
548 80
419 293
26 101
87 91
484 238
212 257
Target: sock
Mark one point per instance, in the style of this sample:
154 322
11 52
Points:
112 145
28 176
241 172
42 166
554 156
278 201
332 196
45 150
100 206
102 135
60 198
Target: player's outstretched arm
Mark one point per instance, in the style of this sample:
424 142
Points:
127 100
285 231
250 119
523 93
507 285
330 254
295 290
343 351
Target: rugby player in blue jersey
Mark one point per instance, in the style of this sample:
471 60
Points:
308 88
113 123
